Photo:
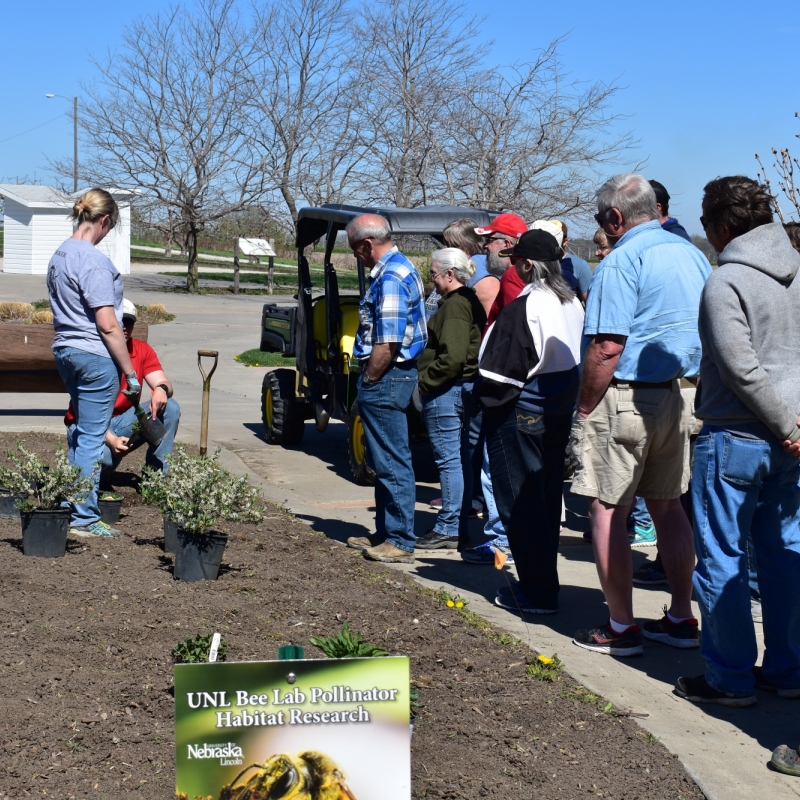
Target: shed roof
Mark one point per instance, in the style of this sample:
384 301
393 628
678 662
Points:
50 197
35 196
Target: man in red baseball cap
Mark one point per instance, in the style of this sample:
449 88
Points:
501 234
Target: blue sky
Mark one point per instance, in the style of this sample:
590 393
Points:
708 84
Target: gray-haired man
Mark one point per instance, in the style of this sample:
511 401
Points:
631 430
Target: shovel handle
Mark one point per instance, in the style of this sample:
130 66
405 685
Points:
208 354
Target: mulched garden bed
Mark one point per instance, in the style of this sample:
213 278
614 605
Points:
87 707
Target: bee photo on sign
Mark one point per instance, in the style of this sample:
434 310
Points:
317 729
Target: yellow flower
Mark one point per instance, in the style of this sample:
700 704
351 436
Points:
450 603
460 604
544 660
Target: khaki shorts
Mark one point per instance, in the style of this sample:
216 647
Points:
635 442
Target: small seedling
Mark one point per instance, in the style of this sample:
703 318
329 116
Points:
450 600
195 649
545 668
346 644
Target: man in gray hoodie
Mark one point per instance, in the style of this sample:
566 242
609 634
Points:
746 475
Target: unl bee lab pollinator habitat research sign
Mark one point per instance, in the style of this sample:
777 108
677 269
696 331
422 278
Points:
317 729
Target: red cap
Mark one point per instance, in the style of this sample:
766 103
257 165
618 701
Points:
509 224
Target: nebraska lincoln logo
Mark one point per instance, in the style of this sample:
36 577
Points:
227 753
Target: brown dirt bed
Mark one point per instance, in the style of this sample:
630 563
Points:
87 709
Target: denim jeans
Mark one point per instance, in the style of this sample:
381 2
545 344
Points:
122 425
493 527
93 384
526 455
746 486
639 515
382 406
443 413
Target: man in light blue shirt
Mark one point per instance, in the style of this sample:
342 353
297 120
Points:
631 432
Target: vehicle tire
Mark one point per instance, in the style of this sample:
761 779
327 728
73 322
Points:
282 413
363 474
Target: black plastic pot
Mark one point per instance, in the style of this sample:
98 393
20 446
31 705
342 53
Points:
44 533
151 430
109 510
8 504
198 555
170 536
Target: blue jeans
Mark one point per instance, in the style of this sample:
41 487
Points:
526 455
382 406
122 425
93 384
493 528
639 515
443 413
739 487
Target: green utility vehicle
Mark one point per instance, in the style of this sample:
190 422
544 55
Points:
320 332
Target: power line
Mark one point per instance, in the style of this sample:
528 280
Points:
33 129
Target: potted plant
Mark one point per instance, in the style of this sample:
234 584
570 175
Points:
45 522
109 504
197 493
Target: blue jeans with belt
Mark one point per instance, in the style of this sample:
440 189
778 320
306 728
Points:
443 412
93 384
526 456
382 406
744 486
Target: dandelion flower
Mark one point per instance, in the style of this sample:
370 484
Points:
544 660
450 603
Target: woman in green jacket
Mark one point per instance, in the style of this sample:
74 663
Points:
449 360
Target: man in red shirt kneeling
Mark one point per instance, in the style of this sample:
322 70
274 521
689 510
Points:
161 406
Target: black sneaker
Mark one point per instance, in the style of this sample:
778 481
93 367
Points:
515 600
685 635
433 540
650 575
698 691
763 683
604 640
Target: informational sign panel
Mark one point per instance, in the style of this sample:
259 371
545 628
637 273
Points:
255 247
317 729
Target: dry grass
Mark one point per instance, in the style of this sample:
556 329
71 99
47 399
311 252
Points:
154 314
42 317
12 312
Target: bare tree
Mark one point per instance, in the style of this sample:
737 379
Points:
301 112
784 165
168 117
413 55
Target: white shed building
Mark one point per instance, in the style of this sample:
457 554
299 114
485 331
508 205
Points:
37 221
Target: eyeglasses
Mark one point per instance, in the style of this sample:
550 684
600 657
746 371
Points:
437 274
599 217
704 222
355 245
488 239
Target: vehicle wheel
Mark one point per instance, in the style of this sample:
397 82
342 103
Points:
282 413
363 474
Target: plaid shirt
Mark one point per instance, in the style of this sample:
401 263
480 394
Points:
393 309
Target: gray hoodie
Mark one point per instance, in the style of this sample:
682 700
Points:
750 331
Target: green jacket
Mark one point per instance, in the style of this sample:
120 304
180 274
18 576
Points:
454 339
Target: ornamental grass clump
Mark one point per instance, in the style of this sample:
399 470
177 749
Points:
45 486
198 492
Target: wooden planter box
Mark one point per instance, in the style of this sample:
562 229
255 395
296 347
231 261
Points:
26 357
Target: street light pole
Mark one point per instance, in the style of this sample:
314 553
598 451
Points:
75 137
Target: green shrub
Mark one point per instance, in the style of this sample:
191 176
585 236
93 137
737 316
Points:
346 644
195 649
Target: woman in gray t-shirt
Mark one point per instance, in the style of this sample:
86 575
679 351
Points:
89 346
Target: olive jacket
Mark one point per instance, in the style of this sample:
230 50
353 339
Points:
454 339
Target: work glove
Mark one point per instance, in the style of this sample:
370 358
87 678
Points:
134 389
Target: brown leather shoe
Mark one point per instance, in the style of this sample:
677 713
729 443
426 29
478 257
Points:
389 553
363 542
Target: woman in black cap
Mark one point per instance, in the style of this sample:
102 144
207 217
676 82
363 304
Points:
529 383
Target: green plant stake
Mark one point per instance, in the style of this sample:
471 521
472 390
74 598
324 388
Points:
291 652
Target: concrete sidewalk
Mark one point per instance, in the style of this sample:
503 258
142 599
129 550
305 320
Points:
725 750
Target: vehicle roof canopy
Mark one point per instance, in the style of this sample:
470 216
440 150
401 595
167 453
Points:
312 223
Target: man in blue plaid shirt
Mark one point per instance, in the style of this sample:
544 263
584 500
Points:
392 335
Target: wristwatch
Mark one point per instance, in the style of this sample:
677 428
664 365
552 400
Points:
164 387
365 378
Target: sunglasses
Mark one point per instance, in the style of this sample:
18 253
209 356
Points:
704 222
488 239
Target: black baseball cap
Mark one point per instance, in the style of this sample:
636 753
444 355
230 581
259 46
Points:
536 245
